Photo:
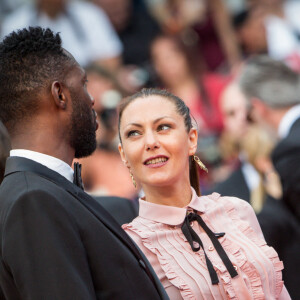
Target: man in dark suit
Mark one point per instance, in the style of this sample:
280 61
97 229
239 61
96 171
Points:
56 242
274 92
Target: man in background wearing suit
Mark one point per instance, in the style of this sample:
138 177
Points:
56 242
274 92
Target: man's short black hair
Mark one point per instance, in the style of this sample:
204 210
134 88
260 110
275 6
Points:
30 60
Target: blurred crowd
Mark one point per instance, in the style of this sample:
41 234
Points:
196 49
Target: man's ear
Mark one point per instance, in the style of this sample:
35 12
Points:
193 139
58 95
259 108
122 154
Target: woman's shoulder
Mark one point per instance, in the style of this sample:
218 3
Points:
218 199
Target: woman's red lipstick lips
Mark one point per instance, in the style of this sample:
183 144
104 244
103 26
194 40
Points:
158 164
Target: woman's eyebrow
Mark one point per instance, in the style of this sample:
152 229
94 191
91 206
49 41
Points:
154 122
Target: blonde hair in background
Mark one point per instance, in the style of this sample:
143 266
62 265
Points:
257 144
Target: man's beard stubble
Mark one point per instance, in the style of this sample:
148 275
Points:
83 128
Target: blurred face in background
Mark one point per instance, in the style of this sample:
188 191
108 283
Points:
235 110
51 7
97 86
252 34
169 61
106 97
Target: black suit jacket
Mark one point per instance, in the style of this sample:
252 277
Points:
57 242
286 159
235 185
123 210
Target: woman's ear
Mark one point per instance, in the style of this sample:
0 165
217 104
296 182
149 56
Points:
193 139
122 154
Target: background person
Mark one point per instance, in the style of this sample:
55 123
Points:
273 89
177 229
247 147
85 29
204 24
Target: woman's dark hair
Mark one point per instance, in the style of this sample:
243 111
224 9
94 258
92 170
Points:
181 108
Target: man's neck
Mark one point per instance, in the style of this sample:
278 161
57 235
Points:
275 116
48 161
62 152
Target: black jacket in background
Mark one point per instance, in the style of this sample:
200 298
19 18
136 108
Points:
286 159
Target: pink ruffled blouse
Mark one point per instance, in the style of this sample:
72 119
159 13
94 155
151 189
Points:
184 273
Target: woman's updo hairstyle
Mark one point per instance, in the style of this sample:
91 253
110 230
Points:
181 108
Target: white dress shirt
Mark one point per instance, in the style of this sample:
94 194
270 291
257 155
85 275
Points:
48 161
288 120
91 39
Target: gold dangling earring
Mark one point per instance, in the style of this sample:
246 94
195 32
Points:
132 179
200 163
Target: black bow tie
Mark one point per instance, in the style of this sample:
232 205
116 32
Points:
193 239
77 175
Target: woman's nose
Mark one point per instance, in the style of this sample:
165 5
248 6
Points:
151 141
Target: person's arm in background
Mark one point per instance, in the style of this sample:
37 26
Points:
225 31
104 46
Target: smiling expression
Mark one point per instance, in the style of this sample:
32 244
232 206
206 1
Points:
155 142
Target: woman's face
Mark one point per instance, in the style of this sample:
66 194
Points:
234 109
155 143
169 62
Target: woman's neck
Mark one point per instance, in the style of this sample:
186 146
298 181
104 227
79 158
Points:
178 196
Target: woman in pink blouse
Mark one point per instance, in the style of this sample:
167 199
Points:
201 247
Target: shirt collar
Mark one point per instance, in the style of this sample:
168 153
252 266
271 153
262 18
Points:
288 120
48 161
170 215
251 175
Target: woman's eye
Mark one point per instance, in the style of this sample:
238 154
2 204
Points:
132 133
164 127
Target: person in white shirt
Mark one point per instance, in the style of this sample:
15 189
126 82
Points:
85 29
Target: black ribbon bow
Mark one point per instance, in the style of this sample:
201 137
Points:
192 237
77 175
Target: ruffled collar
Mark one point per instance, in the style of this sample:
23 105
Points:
170 215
